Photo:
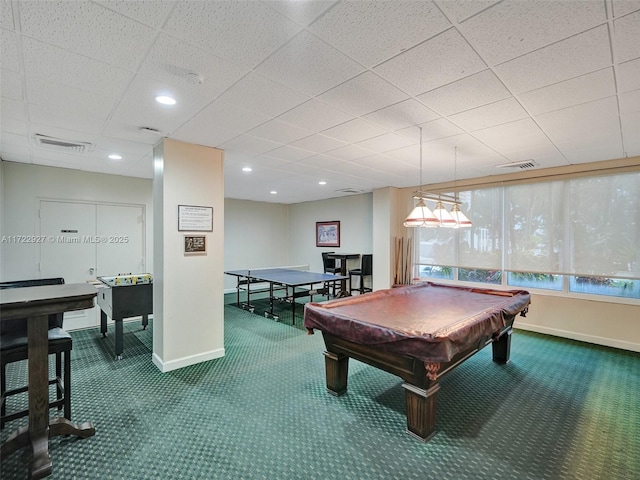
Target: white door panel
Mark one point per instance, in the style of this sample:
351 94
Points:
123 250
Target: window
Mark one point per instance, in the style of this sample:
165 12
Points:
579 235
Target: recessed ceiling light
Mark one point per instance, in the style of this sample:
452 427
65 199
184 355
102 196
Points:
247 169
322 182
163 99
273 192
115 156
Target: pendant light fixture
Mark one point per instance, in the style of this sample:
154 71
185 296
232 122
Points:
422 216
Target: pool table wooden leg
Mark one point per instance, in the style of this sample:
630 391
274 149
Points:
421 411
337 369
502 347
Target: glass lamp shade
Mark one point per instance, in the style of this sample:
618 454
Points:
421 216
460 218
444 218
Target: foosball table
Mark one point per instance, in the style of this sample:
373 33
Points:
124 296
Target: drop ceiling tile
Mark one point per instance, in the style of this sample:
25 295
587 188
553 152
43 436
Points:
14 139
521 140
402 115
114 39
470 92
171 61
318 143
149 12
583 89
630 103
489 115
250 145
371 32
9 50
349 152
281 132
622 7
587 132
628 75
6 15
61 66
514 28
630 134
384 143
11 84
262 163
460 10
413 71
561 61
309 65
627 37
289 154
200 132
389 166
315 115
68 119
69 101
241 32
319 161
257 93
363 94
354 131
230 117
303 13
11 125
434 130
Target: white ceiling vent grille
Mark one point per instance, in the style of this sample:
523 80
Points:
61 144
349 190
523 165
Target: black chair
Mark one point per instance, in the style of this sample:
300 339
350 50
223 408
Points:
330 266
365 270
14 348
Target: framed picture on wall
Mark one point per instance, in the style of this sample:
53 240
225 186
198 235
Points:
328 234
195 245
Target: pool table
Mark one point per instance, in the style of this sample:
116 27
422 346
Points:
419 333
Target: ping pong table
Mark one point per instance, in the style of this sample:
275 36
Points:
281 280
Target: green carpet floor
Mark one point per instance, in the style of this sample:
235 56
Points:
560 410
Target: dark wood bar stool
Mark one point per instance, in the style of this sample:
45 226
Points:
330 266
365 270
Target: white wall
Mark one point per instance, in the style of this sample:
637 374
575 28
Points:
256 234
355 214
24 185
600 322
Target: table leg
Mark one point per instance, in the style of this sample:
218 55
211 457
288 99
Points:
38 367
421 411
502 347
119 335
103 323
336 369
145 321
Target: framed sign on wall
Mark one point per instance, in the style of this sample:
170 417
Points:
192 218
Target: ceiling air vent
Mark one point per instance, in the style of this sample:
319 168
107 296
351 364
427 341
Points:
62 145
523 165
349 190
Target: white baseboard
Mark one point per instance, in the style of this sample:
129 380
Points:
186 361
607 342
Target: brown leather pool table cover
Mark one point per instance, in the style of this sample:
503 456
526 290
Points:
429 321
